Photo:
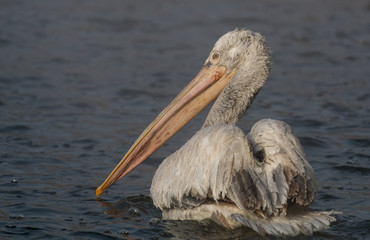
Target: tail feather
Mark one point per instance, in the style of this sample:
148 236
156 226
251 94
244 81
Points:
304 223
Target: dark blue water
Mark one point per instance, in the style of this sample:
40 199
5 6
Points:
80 80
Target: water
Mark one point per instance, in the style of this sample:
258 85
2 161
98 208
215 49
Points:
80 80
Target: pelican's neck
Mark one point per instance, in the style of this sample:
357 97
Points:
239 94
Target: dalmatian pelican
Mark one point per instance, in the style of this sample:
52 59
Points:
261 180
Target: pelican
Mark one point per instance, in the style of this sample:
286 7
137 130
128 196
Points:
261 180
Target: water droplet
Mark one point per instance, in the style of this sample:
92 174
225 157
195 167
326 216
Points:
125 232
350 162
134 211
154 221
16 216
9 225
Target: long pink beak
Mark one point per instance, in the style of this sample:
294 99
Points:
198 94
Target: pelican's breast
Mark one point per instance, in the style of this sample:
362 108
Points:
201 168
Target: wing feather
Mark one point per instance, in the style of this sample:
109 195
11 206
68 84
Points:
263 171
292 175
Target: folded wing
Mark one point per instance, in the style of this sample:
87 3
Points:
265 171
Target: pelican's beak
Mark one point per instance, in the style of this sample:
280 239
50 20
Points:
198 94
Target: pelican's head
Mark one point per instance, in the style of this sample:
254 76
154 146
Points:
239 49
233 55
246 53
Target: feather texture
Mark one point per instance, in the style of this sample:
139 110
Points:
230 216
221 163
236 180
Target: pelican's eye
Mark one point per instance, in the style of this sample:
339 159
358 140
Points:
215 56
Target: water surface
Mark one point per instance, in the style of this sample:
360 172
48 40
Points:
80 80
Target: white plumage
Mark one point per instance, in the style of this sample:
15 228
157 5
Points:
217 175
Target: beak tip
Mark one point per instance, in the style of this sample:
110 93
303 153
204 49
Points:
99 191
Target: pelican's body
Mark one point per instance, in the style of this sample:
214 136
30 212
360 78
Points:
235 180
261 180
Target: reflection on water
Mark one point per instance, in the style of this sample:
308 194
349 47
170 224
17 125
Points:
80 80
